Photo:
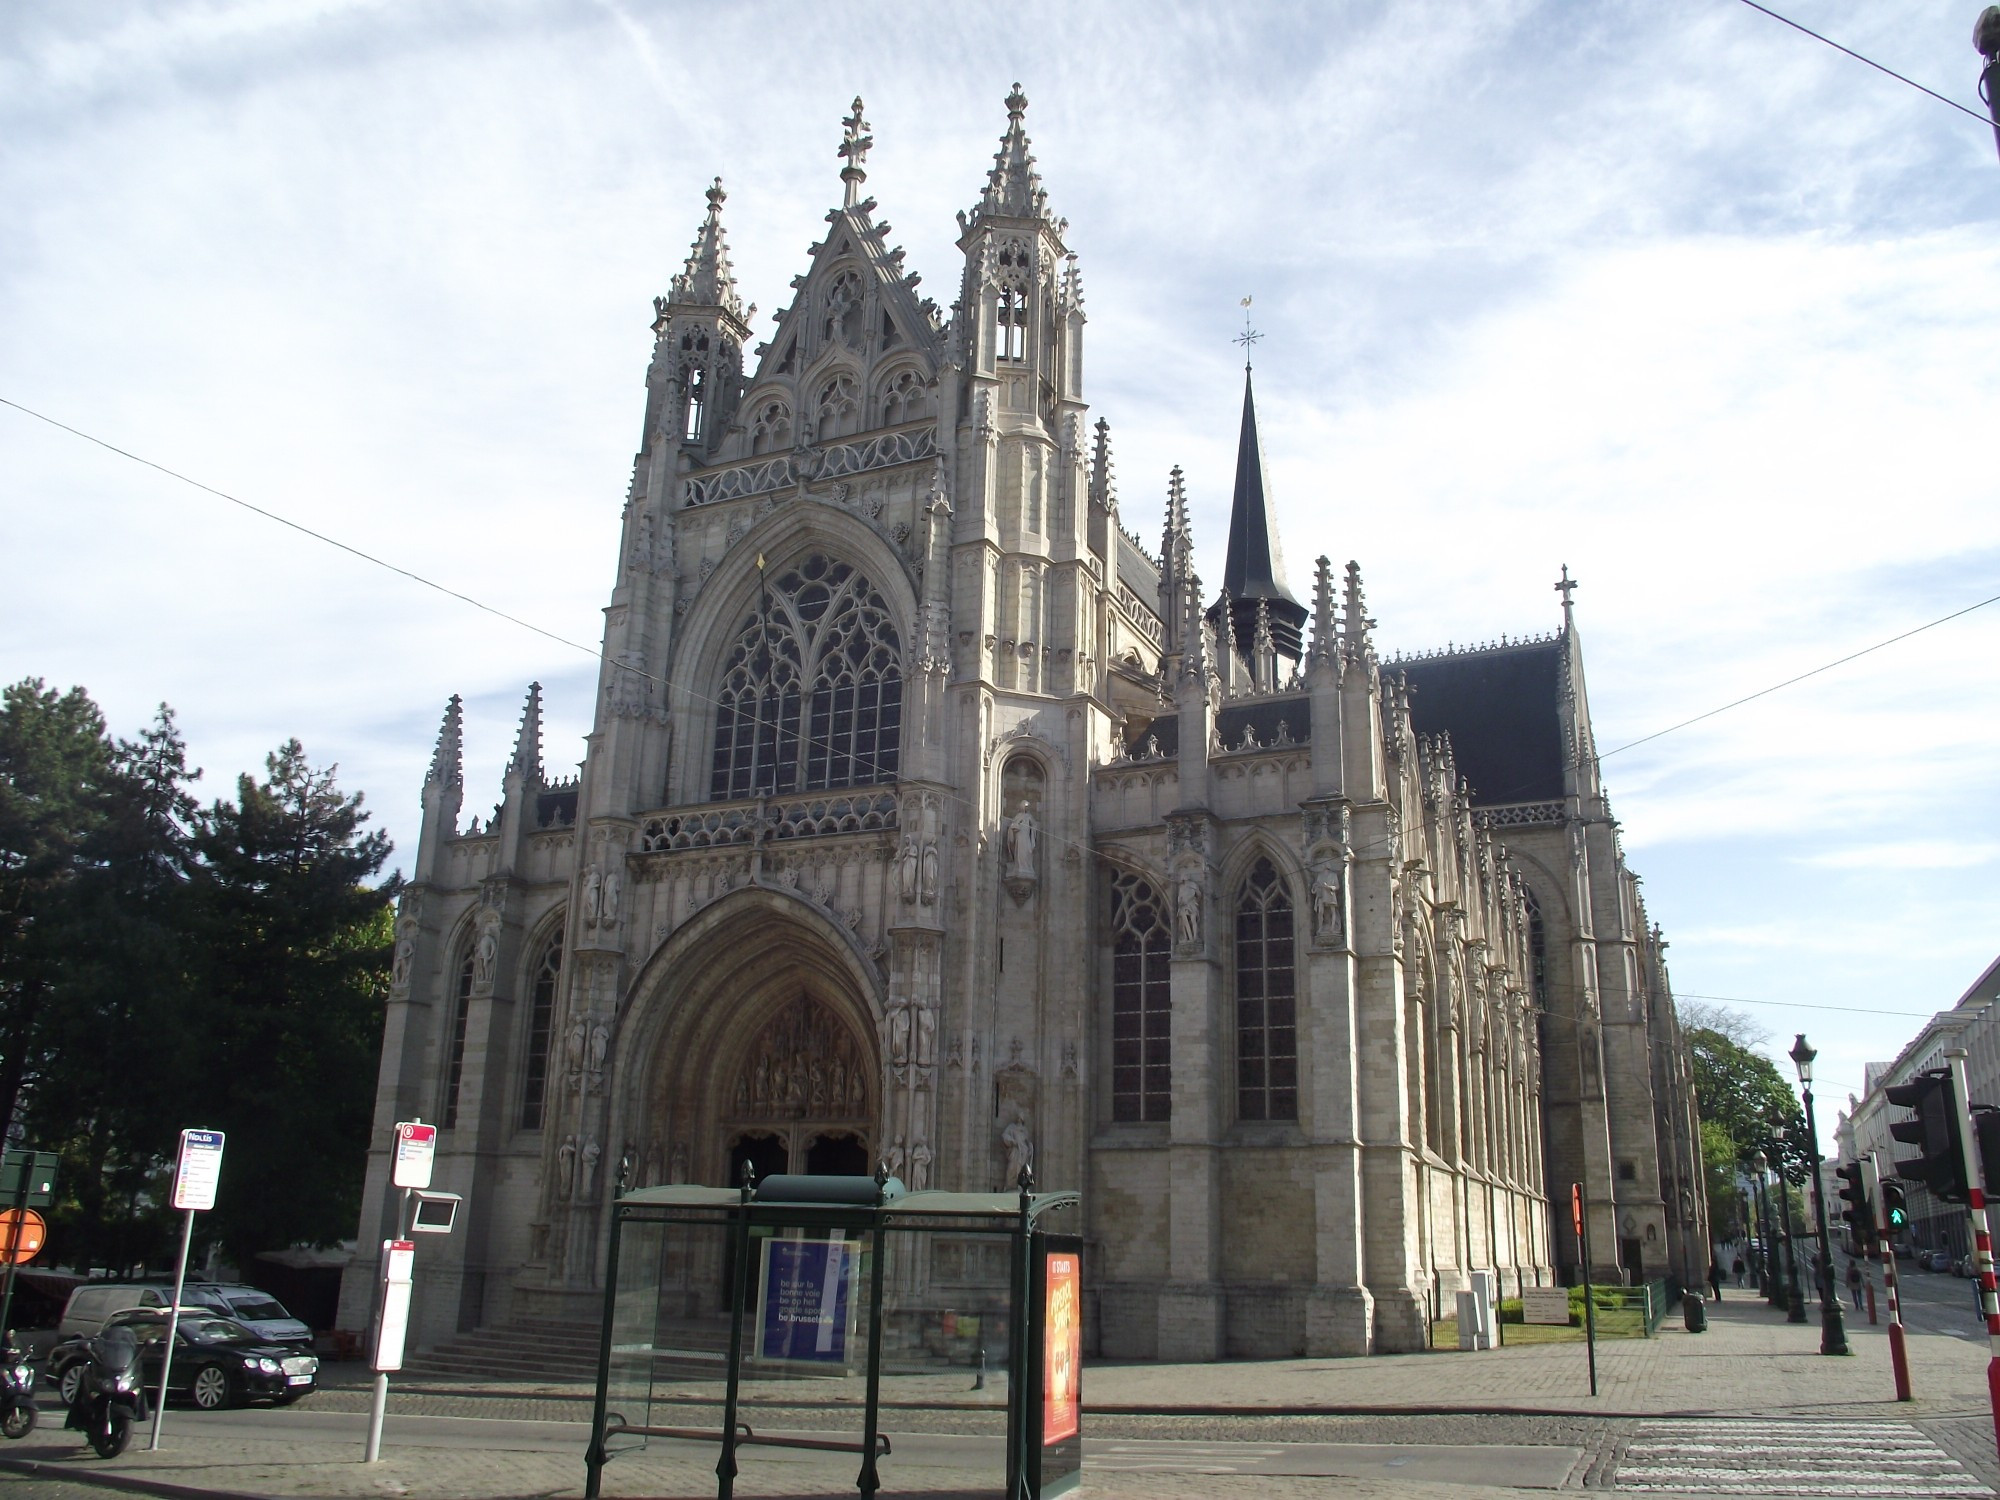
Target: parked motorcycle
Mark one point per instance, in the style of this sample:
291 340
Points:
109 1398
17 1390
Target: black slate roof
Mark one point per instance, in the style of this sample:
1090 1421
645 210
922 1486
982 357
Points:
1501 708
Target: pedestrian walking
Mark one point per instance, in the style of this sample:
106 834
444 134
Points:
1715 1278
1738 1268
1854 1282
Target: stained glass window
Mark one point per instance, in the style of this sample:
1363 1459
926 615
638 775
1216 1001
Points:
812 694
1142 1010
454 1068
1267 1044
541 1020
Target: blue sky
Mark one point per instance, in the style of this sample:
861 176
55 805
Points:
1671 294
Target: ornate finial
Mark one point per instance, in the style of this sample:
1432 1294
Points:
1356 625
447 761
1017 104
707 279
1013 186
716 196
1248 336
527 759
1323 626
1566 586
1260 640
1103 487
854 150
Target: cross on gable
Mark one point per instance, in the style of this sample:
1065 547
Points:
1566 586
855 142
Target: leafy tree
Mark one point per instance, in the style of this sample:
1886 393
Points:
291 949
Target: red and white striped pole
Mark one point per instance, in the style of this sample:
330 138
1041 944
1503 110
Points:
1982 1240
1899 1359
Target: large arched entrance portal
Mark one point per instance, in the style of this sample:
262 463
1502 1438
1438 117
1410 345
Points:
757 1045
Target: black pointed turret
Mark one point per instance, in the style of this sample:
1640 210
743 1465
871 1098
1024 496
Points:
1256 567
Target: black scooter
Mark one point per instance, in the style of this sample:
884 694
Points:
109 1398
17 1390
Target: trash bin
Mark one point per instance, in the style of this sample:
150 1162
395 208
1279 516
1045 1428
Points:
1693 1313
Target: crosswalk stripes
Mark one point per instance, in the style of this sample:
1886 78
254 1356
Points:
1181 1457
1725 1457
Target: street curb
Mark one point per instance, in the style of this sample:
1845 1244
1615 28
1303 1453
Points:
131 1484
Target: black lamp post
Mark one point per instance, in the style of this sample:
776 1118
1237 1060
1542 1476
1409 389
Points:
1832 1332
1766 1287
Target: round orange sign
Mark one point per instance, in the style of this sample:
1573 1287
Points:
24 1239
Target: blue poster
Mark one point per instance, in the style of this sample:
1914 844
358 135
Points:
805 1301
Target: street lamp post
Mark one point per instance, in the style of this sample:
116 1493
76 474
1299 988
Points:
1766 1287
1795 1292
1832 1332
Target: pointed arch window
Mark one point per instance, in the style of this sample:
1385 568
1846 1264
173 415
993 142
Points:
454 1061
1267 1045
903 399
1010 333
839 407
812 694
697 401
541 1024
1538 950
1142 1076
771 431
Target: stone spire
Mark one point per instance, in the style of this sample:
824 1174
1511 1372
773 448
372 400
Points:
1103 486
1014 187
448 760
1355 623
854 146
527 759
1194 645
707 280
1256 567
1263 651
1324 647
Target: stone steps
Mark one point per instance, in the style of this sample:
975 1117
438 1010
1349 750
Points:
533 1350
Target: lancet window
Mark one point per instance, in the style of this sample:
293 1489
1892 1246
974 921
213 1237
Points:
541 1024
771 430
1010 333
812 695
1142 1078
454 1062
1267 1045
839 407
697 401
903 399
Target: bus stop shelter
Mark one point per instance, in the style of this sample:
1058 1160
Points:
815 1294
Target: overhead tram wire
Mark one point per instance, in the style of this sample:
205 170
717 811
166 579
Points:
1878 67
700 697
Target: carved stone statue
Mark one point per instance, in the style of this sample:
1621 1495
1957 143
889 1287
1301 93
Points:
613 889
1329 920
1020 1146
565 1167
920 1166
907 861
926 1035
574 1043
893 1159
1187 910
899 1032
1020 843
927 882
600 1044
485 956
592 1153
399 972
593 895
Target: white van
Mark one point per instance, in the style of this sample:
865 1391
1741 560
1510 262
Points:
260 1312
93 1302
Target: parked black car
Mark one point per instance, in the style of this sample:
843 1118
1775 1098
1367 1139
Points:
217 1361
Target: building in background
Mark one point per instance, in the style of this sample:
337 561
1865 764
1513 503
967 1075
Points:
930 820
1974 1024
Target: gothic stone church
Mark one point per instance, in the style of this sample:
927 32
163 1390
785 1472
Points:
930 820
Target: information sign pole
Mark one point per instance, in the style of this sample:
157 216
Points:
415 1151
1589 1301
195 1177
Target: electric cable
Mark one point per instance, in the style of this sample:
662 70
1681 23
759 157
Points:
1985 120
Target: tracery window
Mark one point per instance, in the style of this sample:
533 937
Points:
454 1065
1267 1047
1010 333
1538 951
903 400
697 387
541 1021
839 407
812 695
771 430
1142 1077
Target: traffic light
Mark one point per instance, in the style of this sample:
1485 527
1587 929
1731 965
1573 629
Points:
1859 1213
1942 1166
1986 1135
1895 1213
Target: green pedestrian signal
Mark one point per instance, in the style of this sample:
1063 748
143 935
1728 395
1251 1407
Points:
1894 1212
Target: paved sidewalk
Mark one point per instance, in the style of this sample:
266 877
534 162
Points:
1749 1363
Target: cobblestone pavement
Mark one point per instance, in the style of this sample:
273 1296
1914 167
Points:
1155 1430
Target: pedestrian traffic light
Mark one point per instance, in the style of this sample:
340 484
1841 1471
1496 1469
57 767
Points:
1935 1129
1895 1213
1859 1213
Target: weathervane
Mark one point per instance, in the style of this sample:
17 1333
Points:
1248 336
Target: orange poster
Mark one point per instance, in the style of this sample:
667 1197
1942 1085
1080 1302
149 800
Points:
1062 1350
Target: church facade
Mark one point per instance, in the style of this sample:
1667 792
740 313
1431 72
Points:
929 820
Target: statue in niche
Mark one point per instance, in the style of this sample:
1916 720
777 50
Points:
1020 843
1187 911
485 956
926 1035
920 1166
613 889
600 1044
899 1032
565 1167
1020 1144
592 1154
892 1159
1329 919
677 1162
927 885
574 1044
593 895
399 972
907 864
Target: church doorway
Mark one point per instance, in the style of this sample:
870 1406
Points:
801 1096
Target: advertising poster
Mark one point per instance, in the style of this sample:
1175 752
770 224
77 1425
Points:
1062 1350
806 1301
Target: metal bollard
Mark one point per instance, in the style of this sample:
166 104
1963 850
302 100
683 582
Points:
1693 1314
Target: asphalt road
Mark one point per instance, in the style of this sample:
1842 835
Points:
1932 1301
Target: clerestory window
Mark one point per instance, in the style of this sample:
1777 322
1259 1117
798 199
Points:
812 695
